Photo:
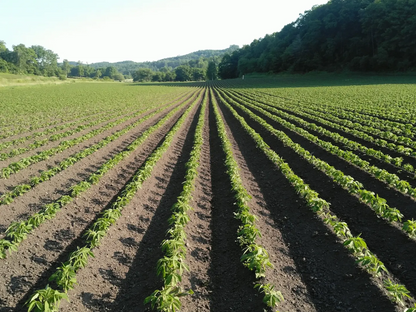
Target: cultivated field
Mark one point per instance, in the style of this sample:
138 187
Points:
289 194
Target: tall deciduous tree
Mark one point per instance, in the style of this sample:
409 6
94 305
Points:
25 59
212 71
143 74
183 73
47 60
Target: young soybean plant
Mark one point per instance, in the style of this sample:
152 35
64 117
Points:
356 244
172 265
255 257
48 299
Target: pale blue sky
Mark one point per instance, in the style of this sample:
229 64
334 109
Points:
142 30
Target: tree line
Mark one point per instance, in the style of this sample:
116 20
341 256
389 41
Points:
37 60
358 35
192 71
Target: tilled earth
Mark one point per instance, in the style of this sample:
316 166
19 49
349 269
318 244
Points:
311 267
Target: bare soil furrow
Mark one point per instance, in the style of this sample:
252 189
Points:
50 244
231 283
272 239
394 198
123 272
59 185
332 278
199 235
24 175
383 238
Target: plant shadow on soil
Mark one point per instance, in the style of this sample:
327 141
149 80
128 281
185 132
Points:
141 279
51 245
232 284
333 280
64 253
394 249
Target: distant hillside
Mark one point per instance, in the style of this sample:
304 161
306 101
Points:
128 67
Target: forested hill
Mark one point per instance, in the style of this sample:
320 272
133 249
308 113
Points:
128 67
359 35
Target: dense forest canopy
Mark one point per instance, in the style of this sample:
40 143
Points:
359 35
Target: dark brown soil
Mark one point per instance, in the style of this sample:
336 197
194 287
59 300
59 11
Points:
311 267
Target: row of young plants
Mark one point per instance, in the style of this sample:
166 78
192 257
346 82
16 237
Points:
383 175
23 163
355 244
374 131
322 119
55 129
64 278
378 107
18 231
18 190
377 204
255 257
58 136
352 145
171 267
402 129
51 105
47 131
43 123
392 102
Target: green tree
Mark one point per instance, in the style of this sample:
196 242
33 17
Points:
228 67
47 60
118 77
3 47
25 59
89 71
212 71
98 74
183 73
170 76
198 74
110 71
143 74
78 70
158 76
66 67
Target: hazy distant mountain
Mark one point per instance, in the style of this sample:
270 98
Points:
128 67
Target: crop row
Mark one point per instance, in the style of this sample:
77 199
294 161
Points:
377 203
18 231
63 145
403 135
255 257
58 136
33 135
352 129
352 145
395 103
355 244
171 267
45 123
65 275
35 108
46 175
